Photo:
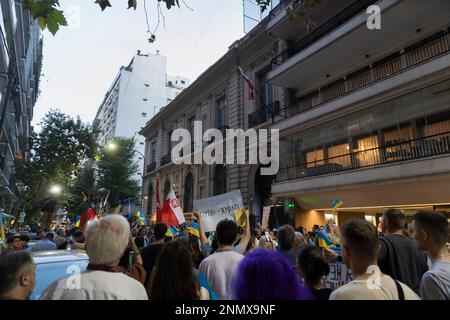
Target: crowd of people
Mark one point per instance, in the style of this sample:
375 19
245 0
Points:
130 261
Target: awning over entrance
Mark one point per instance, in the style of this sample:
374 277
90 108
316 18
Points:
419 193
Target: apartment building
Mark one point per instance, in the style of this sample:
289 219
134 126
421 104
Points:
137 93
20 68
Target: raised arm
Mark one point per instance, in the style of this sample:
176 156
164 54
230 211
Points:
203 237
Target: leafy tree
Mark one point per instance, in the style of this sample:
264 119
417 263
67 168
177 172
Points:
48 15
57 151
83 185
117 169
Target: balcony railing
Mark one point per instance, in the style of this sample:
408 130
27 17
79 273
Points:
166 159
426 50
325 28
263 114
151 167
409 150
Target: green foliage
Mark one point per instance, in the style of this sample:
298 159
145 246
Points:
84 182
47 14
116 170
56 154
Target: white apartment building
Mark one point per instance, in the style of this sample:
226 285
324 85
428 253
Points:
137 93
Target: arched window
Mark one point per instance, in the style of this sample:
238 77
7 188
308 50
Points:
166 190
188 193
150 200
220 180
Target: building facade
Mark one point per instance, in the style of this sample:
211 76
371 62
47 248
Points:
137 93
369 114
363 114
20 68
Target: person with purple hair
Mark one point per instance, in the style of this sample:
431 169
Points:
268 275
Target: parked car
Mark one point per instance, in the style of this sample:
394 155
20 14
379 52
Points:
54 265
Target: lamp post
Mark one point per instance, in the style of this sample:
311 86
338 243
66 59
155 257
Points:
56 189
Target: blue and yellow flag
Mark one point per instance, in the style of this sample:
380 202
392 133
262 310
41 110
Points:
337 203
77 221
194 229
2 229
211 239
142 220
172 231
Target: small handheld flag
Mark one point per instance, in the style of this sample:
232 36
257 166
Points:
195 229
142 220
172 231
77 221
241 220
210 239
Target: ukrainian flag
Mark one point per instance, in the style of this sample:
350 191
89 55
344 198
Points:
77 221
337 203
142 220
195 229
172 231
210 239
2 229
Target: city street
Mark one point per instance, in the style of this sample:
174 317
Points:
267 150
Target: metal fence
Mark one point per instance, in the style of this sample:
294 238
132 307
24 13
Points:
408 150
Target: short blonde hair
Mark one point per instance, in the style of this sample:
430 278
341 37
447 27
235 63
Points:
107 239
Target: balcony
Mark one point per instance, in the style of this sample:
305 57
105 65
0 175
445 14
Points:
281 25
151 167
423 51
430 146
263 115
166 159
344 43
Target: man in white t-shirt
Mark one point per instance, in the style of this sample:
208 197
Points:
360 248
220 267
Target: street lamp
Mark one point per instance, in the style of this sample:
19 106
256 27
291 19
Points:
56 189
111 146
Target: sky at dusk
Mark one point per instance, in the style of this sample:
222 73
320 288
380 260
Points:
81 61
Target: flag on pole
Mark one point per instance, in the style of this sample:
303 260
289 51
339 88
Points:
87 216
250 85
337 203
171 211
158 203
195 229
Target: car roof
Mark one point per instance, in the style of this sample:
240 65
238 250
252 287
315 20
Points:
58 256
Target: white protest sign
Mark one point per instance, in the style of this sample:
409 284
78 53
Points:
338 276
214 209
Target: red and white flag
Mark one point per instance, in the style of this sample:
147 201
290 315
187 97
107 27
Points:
251 87
171 211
